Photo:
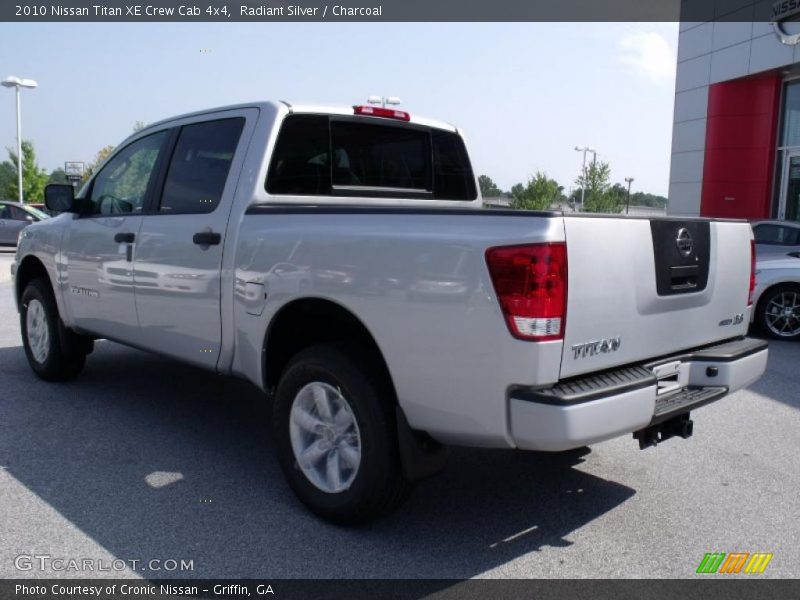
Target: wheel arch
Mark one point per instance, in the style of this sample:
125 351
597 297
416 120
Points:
29 269
308 321
769 288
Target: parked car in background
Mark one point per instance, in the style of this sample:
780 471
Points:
14 217
777 295
40 206
776 237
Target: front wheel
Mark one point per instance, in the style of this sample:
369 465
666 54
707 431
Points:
336 435
53 352
778 312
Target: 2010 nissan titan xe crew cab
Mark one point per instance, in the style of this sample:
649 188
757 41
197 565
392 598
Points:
341 260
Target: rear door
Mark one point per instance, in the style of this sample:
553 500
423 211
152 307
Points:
639 289
180 244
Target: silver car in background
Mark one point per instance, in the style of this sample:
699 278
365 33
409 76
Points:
14 217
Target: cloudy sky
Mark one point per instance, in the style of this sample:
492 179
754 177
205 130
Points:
525 93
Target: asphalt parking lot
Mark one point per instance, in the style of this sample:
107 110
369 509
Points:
142 458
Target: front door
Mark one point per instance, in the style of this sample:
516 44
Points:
99 245
180 244
789 206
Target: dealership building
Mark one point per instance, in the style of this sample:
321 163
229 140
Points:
736 135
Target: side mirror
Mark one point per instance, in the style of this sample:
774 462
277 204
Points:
30 219
60 197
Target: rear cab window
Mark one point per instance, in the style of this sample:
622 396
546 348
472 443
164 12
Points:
318 155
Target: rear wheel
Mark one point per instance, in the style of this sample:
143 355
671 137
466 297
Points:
54 353
778 312
336 434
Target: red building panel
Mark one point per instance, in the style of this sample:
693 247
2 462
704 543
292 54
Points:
741 138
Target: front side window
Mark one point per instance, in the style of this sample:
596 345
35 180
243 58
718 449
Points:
199 166
316 155
121 186
19 214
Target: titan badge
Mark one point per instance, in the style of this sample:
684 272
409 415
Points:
603 346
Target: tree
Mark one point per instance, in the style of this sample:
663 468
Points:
58 176
33 178
488 187
600 196
138 126
8 175
539 193
645 199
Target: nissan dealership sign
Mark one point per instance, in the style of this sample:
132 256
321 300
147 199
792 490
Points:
784 11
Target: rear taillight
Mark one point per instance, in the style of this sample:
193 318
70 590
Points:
531 286
386 113
752 273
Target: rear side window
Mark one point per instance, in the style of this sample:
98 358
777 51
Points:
199 166
318 156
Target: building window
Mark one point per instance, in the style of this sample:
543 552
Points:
790 132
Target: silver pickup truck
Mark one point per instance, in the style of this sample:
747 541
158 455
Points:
340 260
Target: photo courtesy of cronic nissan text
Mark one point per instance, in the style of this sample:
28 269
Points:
400 300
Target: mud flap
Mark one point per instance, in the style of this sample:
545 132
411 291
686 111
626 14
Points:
420 455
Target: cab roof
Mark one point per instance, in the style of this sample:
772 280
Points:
285 106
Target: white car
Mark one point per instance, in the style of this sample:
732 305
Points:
776 238
777 296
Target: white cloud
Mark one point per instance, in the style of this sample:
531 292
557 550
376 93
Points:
650 55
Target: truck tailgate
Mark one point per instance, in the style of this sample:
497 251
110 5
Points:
639 288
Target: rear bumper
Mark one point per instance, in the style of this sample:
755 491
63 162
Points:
590 409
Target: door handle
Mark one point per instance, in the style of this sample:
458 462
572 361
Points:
125 238
206 238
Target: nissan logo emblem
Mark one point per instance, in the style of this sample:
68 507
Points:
684 242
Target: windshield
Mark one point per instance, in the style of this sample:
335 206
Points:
39 214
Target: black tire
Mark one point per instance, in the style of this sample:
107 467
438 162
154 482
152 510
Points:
65 351
378 486
780 293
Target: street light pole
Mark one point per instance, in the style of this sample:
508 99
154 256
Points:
584 149
19 148
18 83
629 180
